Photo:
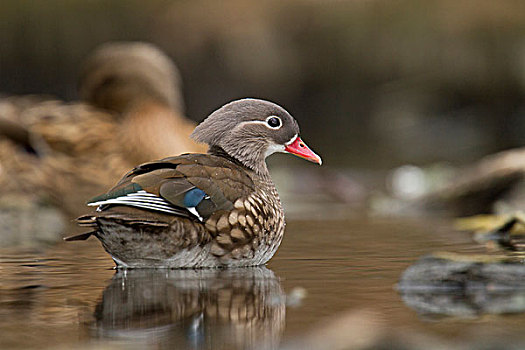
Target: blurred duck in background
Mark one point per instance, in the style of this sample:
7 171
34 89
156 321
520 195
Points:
54 155
142 86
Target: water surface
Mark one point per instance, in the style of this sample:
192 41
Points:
327 274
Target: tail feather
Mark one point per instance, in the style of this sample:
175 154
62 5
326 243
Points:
87 221
84 221
80 237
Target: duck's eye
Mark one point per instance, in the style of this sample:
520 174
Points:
274 122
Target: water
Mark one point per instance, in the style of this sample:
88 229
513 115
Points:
330 282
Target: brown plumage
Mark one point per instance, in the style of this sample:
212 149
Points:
203 210
65 153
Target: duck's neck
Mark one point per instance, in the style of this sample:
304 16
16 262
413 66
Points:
256 164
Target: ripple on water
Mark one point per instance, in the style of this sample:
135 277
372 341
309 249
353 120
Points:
69 294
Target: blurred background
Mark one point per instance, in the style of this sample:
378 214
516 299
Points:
401 98
373 83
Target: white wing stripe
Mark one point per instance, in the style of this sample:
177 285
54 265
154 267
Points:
134 200
146 200
145 205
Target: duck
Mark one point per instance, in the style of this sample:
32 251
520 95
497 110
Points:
218 209
142 87
131 111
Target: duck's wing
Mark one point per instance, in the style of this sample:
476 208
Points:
192 185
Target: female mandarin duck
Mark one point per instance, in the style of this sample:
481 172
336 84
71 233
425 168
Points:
133 113
203 210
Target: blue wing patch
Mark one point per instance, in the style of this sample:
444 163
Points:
193 197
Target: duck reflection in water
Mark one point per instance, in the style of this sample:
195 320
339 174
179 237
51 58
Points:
205 309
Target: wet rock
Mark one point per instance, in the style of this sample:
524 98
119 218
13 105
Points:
464 286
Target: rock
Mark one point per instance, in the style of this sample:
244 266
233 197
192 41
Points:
464 286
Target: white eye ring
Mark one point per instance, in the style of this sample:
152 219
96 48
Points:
273 117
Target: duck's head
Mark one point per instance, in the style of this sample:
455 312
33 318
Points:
249 130
118 75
